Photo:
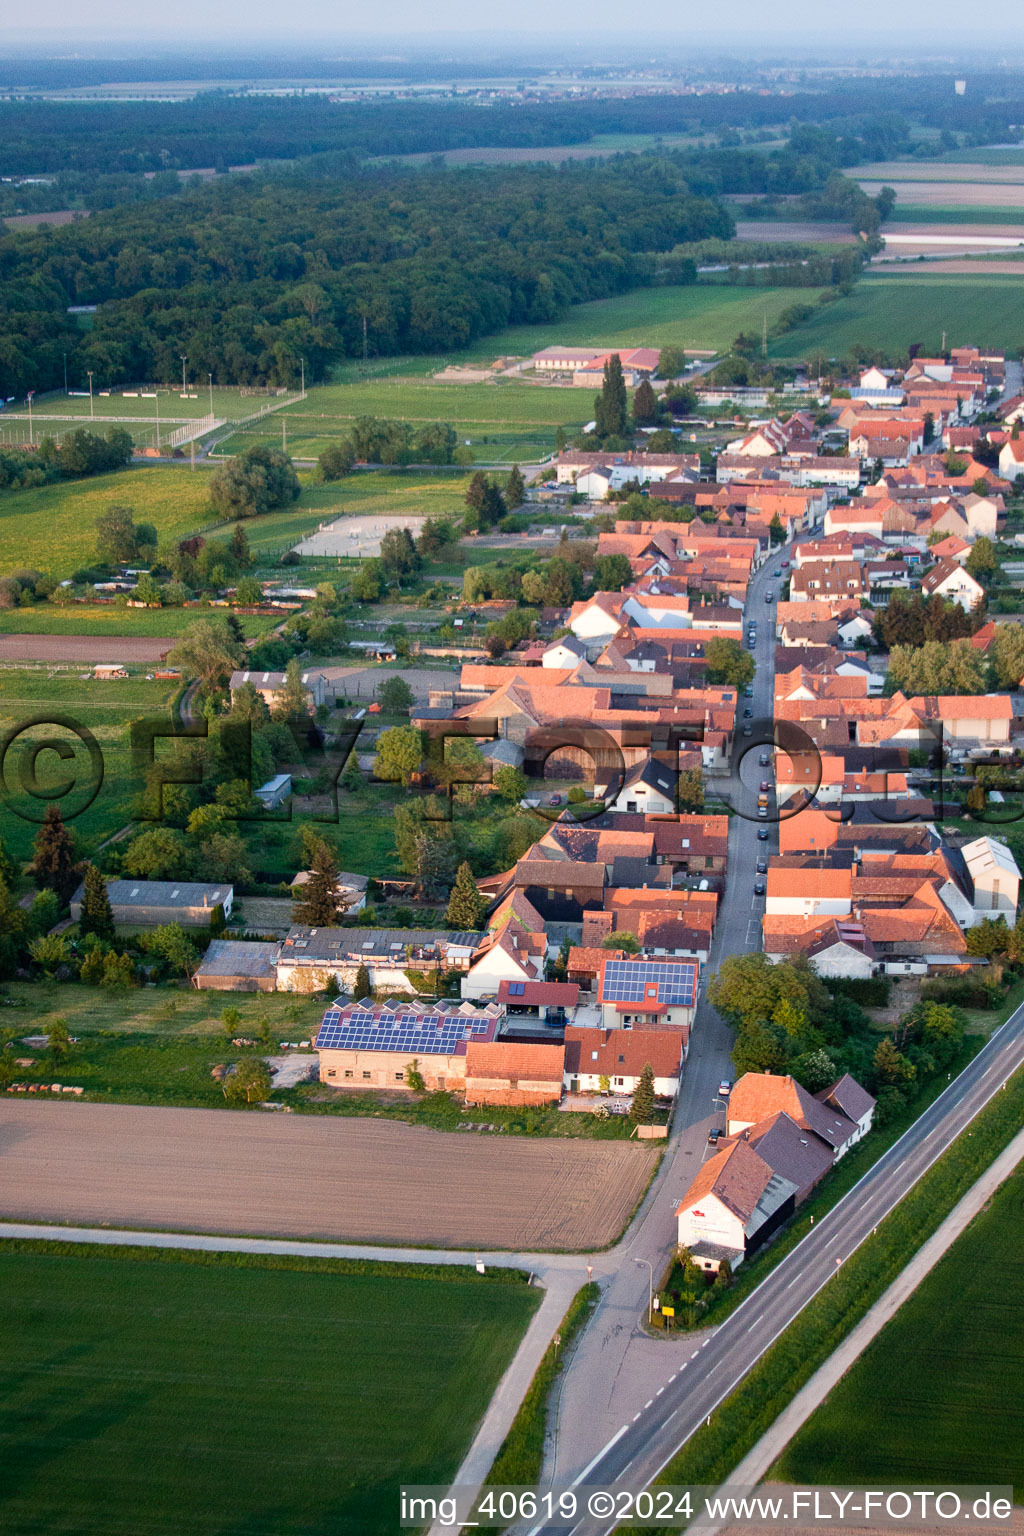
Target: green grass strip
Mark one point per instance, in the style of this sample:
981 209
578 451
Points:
222 1259
740 1421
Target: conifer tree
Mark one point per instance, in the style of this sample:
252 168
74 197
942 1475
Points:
97 916
641 1111
465 904
645 405
53 866
320 906
8 868
292 701
515 488
361 986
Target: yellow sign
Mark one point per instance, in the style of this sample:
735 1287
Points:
668 1311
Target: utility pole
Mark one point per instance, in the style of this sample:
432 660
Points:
90 395
184 360
650 1288
302 365
364 342
31 436
156 397
210 377
65 373
764 336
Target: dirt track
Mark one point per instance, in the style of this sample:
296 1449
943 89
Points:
303 1176
88 648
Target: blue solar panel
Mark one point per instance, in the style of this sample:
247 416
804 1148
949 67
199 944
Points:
432 1034
626 981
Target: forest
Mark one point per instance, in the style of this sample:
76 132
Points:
253 272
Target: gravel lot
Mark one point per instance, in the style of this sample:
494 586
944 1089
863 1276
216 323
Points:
304 1176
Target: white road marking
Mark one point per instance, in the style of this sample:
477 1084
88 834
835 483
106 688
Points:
603 1452
754 1324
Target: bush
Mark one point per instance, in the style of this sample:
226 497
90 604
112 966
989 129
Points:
964 991
869 991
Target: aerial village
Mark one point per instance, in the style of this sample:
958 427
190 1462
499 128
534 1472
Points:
760 747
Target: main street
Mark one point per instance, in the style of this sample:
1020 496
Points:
616 1366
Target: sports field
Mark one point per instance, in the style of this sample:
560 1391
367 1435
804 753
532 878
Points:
893 312
160 1394
937 1394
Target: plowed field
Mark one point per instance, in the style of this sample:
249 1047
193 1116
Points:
303 1176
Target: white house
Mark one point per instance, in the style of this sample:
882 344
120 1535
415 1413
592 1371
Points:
953 581
564 654
995 876
1011 459
649 787
597 617
732 1200
853 630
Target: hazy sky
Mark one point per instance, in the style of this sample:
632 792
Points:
743 24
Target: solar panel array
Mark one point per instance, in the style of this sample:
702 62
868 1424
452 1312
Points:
626 981
432 1034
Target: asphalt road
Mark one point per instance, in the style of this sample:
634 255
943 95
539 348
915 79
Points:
615 1367
642 1447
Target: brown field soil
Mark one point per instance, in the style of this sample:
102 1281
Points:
803 232
953 232
328 1178
89 648
33 220
979 267
943 194
892 171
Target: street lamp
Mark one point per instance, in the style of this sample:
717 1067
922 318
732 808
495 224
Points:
31 437
650 1289
210 377
90 395
184 360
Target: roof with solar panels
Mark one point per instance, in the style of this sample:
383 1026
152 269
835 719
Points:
430 1028
672 983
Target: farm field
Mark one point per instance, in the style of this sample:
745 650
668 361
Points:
702 316
335 1176
891 313
165 1012
892 172
987 194
149 1393
108 619
952 1408
366 493
101 708
992 220
228 403
52 528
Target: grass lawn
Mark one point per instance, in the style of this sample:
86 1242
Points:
369 493
229 404
953 1409
155 1394
891 313
52 528
502 421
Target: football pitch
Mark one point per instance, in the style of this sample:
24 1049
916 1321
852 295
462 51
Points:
160 1394
937 1394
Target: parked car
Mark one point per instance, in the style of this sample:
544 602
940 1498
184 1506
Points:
762 866
765 785
748 730
713 1136
762 834
747 714
748 692
762 813
759 887
769 597
785 565
765 759
724 1088
555 800
777 572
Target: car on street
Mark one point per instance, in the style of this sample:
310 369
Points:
765 786
713 1136
785 565
777 571
747 714
555 800
762 813
724 1088
769 597
759 887
762 866
748 730
764 759
748 692
762 834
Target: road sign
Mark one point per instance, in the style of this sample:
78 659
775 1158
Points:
668 1311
